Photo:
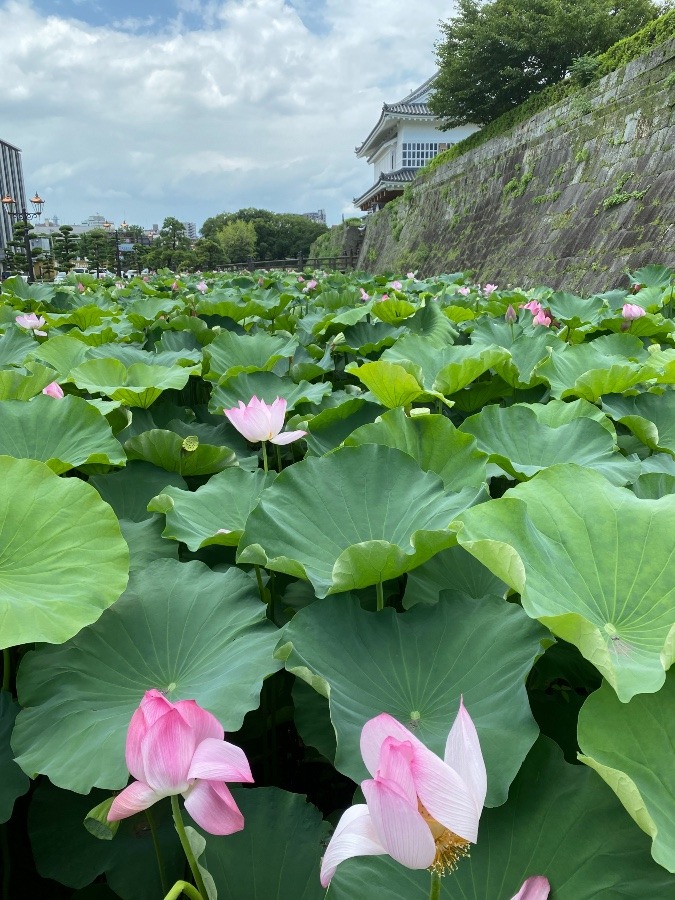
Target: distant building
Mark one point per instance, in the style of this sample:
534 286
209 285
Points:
11 183
319 216
190 230
405 138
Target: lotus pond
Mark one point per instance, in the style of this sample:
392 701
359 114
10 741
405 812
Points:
321 585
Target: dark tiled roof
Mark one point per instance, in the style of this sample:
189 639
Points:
400 176
408 109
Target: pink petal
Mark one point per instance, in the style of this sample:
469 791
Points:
287 437
212 806
152 707
374 734
132 800
53 390
218 760
355 835
535 888
445 795
167 750
394 765
277 413
399 826
203 724
463 754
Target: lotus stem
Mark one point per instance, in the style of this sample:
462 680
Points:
380 595
261 588
279 463
184 887
265 466
436 884
158 851
6 668
187 850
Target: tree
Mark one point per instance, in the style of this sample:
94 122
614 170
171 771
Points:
65 248
209 254
278 235
96 247
492 56
238 239
171 248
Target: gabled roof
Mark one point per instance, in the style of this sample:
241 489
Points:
411 106
386 182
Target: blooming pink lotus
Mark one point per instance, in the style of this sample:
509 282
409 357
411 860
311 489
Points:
541 318
535 888
419 809
32 322
259 422
202 286
464 291
533 306
629 311
81 288
396 285
489 289
53 390
179 748
411 275
364 296
311 284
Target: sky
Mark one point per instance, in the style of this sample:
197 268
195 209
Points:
187 108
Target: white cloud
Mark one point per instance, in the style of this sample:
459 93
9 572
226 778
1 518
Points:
254 109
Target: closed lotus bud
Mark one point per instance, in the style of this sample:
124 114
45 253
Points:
511 314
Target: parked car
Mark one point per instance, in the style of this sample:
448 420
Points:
131 273
80 270
59 277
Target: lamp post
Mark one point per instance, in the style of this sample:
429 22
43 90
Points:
123 225
23 215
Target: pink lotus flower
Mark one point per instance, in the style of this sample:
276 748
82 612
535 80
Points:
179 748
541 319
419 809
364 295
533 306
464 291
489 289
384 297
396 285
53 390
300 278
202 286
629 311
32 322
259 422
411 275
535 888
174 286
80 287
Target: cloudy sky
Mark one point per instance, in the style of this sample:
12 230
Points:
146 109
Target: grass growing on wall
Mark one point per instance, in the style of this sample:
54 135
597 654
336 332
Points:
624 51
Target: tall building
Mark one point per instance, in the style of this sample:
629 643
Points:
11 182
319 216
191 230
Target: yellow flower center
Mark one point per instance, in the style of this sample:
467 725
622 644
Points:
450 848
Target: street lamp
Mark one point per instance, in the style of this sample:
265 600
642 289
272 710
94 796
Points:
123 225
15 215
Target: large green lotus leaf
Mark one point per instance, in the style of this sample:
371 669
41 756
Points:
174 453
560 821
356 517
15 346
430 322
521 445
62 557
62 352
229 304
653 485
389 383
229 354
452 570
650 417
559 412
215 647
311 717
653 276
590 562
393 310
468 363
576 311
369 337
661 366
146 543
13 782
266 386
215 513
526 349
83 318
431 440
329 428
129 490
139 385
22 384
415 667
608 365
630 745
62 433
146 310
65 850
130 355
278 853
